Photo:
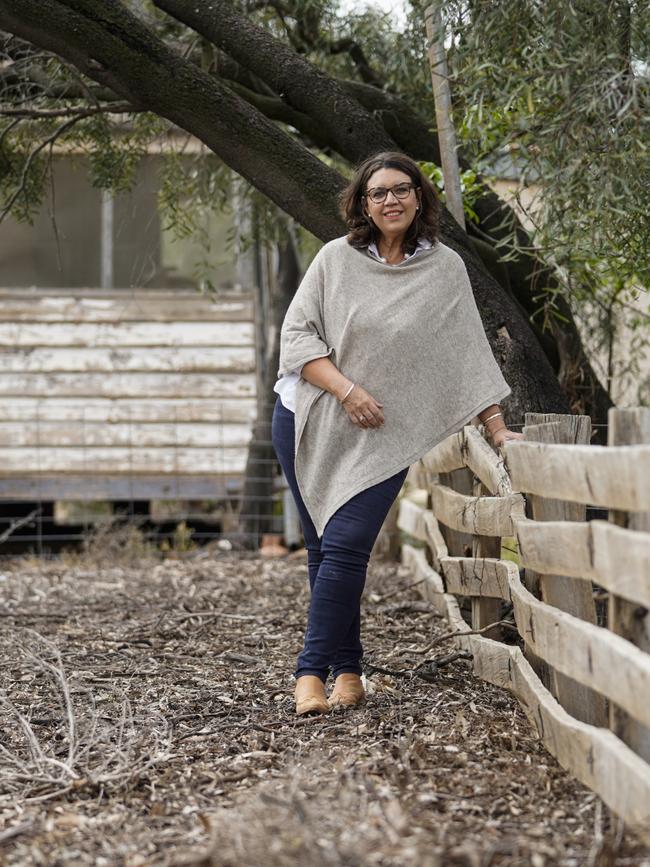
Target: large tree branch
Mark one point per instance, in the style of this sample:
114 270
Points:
350 46
228 68
355 131
312 39
413 135
112 46
275 109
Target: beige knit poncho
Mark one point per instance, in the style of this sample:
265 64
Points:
412 337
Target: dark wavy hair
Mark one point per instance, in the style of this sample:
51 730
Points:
363 231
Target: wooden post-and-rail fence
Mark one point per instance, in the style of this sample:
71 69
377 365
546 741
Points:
571 595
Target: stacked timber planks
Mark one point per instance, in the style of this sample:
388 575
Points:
124 393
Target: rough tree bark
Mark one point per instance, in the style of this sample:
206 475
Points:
353 131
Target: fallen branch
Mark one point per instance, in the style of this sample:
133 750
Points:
507 624
10 833
427 670
19 522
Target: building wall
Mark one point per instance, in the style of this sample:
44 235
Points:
62 249
114 395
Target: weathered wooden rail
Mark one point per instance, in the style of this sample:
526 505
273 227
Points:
571 601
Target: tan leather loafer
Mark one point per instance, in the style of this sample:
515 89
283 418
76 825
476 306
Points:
348 690
310 695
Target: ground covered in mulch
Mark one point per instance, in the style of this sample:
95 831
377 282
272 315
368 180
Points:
146 717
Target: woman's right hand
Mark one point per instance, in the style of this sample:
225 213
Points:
362 409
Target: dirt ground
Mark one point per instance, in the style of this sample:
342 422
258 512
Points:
146 718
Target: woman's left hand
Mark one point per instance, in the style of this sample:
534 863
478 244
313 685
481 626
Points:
504 435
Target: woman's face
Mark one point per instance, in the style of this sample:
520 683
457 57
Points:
393 215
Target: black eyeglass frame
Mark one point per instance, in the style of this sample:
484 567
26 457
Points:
410 185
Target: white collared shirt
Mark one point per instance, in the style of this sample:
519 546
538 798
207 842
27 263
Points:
286 385
422 244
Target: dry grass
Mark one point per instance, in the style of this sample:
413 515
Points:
146 718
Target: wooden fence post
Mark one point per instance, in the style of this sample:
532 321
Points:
486 610
628 427
572 595
459 544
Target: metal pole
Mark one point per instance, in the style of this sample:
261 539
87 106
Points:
291 520
106 242
444 122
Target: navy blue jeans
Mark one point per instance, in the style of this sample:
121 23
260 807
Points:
336 561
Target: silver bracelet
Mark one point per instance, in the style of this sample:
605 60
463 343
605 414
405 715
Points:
490 417
347 392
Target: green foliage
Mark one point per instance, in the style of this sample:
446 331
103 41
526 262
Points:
114 150
192 184
559 94
471 187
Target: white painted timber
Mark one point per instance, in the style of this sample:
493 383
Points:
32 410
125 334
94 459
47 434
150 305
148 385
178 359
119 384
98 486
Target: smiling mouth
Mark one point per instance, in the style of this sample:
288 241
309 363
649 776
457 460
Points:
393 213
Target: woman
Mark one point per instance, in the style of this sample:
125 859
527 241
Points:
383 355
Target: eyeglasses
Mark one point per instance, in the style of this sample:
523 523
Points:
400 191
